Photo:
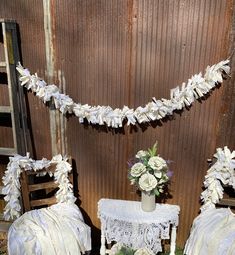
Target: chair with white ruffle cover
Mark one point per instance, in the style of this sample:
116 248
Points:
213 230
58 228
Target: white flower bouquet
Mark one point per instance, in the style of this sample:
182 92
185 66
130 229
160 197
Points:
149 172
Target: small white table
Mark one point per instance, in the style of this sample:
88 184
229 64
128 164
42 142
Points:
125 222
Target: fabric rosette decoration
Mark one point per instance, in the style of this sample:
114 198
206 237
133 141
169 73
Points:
149 172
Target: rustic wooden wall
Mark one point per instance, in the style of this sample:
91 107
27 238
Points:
124 52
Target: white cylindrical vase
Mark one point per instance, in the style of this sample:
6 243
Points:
148 203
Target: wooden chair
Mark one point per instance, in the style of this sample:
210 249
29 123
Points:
60 227
33 187
228 199
39 191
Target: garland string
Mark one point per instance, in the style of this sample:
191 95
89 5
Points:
196 88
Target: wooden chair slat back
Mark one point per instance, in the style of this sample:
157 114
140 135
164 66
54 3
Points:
31 186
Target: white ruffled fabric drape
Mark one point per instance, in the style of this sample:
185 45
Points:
196 87
212 233
58 229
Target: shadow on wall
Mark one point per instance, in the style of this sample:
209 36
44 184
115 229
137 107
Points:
95 232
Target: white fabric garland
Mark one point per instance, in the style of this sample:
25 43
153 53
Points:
222 171
196 88
12 185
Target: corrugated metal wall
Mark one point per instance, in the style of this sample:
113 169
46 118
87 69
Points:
124 52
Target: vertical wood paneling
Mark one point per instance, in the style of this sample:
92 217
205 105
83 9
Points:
124 52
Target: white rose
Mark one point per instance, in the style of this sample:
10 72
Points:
157 163
143 251
137 169
141 154
147 182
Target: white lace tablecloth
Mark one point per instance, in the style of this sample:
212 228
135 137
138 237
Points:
125 222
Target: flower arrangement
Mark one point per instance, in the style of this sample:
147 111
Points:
120 249
150 172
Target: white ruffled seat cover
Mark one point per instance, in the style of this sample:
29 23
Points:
58 229
212 233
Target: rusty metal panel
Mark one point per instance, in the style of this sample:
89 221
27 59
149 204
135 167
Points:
226 122
123 53
176 39
29 16
82 50
93 45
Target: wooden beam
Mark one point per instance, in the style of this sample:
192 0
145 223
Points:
45 201
39 186
227 201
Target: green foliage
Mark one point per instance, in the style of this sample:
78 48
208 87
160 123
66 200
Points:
125 251
178 251
153 151
156 192
129 251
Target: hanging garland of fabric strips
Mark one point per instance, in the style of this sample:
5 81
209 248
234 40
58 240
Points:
11 181
196 87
